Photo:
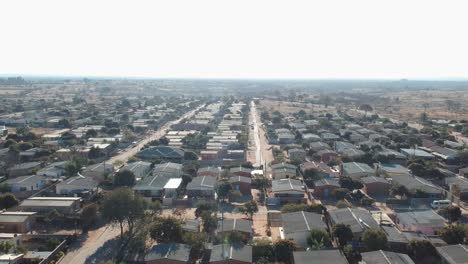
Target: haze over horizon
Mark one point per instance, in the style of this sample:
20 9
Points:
236 39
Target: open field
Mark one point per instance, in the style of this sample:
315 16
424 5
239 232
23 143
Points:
408 105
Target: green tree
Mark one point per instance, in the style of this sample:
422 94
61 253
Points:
124 178
210 222
343 233
284 250
249 208
350 184
89 216
196 241
223 189
423 251
453 234
313 207
374 239
6 246
205 206
123 206
318 239
8 200
453 213
262 249
340 193
166 229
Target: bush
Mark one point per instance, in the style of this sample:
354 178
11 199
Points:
340 193
367 201
343 204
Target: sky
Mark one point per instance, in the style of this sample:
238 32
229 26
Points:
235 39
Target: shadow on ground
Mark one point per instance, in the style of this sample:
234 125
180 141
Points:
107 252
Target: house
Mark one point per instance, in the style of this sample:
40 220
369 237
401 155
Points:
168 253
23 169
99 172
347 149
241 171
327 155
391 170
424 221
296 154
11 258
458 186
53 170
64 205
376 185
27 183
297 226
242 226
209 171
319 257
171 187
317 146
358 219
283 170
241 184
391 156
380 256
288 190
202 187
76 185
322 168
414 183
444 153
356 170
329 137
453 254
140 169
463 172
230 254
416 153
324 187
17 222
309 137
164 153
153 185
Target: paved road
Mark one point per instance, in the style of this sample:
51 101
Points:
79 253
256 136
130 152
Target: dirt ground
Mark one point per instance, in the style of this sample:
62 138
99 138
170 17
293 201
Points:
288 108
411 104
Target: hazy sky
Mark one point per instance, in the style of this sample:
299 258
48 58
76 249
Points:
235 39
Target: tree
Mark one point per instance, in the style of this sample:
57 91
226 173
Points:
88 216
343 233
284 249
249 208
311 174
205 206
343 204
234 237
374 239
91 133
123 206
453 213
423 251
318 239
196 241
166 229
94 153
7 201
340 193
64 123
223 189
210 222
262 249
453 234
349 183
6 246
399 190
124 178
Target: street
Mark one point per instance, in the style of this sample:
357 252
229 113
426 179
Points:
130 152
